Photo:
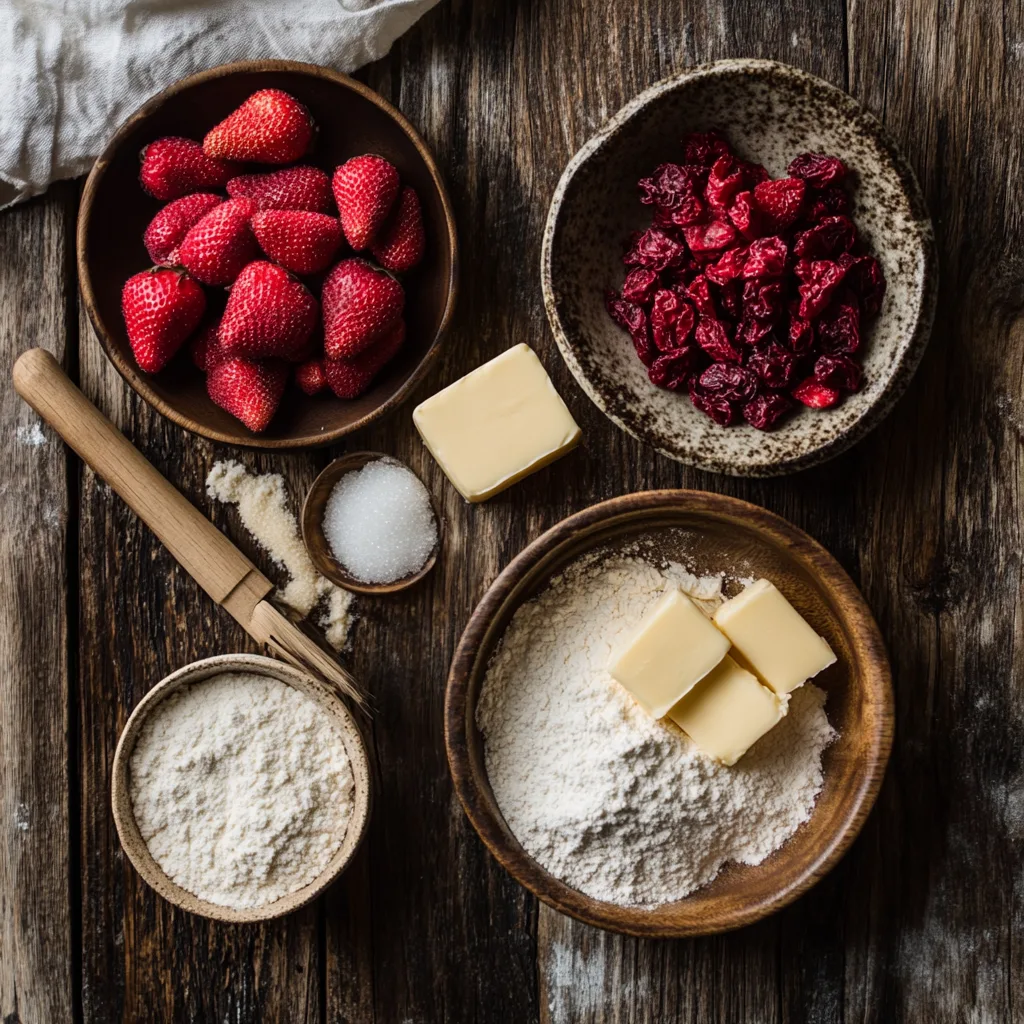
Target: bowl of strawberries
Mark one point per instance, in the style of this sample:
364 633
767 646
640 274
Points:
268 255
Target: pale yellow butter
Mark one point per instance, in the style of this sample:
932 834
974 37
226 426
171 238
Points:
674 648
497 424
728 711
773 637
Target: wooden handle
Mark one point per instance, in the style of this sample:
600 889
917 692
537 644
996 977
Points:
206 554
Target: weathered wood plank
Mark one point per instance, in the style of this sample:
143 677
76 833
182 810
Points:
37 976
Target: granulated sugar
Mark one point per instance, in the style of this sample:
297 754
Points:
264 510
241 788
379 522
617 805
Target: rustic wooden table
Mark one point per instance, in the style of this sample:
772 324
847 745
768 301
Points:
920 922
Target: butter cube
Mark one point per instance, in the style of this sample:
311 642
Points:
727 712
497 424
675 647
773 637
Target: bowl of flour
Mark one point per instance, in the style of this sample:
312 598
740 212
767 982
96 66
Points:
618 819
241 788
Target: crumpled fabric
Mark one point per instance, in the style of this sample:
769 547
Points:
71 72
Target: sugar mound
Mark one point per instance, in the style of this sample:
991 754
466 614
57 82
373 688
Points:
379 522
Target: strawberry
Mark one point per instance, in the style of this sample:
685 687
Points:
270 127
300 241
161 309
365 189
170 226
250 391
173 167
310 376
349 378
268 313
205 349
221 243
361 302
294 188
400 244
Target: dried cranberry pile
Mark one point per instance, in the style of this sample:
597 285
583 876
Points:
747 292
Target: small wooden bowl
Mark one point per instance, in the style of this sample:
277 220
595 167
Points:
124 815
114 213
707 533
312 518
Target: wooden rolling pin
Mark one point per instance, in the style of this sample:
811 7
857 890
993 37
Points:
206 554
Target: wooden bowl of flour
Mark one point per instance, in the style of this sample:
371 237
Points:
706 533
124 816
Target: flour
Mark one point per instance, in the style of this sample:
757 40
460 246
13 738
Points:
241 788
263 506
620 806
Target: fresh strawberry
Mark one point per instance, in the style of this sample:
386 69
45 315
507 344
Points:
169 227
205 348
400 244
161 309
294 188
349 378
221 243
361 302
365 189
310 376
268 313
250 391
173 167
270 127
300 241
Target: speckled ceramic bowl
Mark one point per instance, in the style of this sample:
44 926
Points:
770 112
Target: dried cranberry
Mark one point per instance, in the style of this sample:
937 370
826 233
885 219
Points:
700 292
864 276
766 257
837 372
711 337
672 369
671 184
633 319
732 382
715 406
730 299
654 250
744 215
826 202
762 300
817 169
800 335
752 332
717 235
774 365
704 147
780 200
728 266
754 173
639 286
828 238
724 181
815 395
819 280
765 410
672 320
839 327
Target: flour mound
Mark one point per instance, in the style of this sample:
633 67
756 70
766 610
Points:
617 805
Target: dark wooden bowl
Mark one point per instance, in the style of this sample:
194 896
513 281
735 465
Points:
115 211
706 532
312 517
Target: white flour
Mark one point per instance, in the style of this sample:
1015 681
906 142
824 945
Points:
241 788
263 507
620 806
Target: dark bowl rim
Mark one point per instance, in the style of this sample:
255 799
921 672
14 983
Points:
131 374
900 373
876 679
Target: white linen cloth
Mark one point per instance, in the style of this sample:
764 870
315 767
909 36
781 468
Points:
72 70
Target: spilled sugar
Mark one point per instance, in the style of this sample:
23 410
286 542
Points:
263 508
379 522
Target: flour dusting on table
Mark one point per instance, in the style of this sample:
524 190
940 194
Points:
617 805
